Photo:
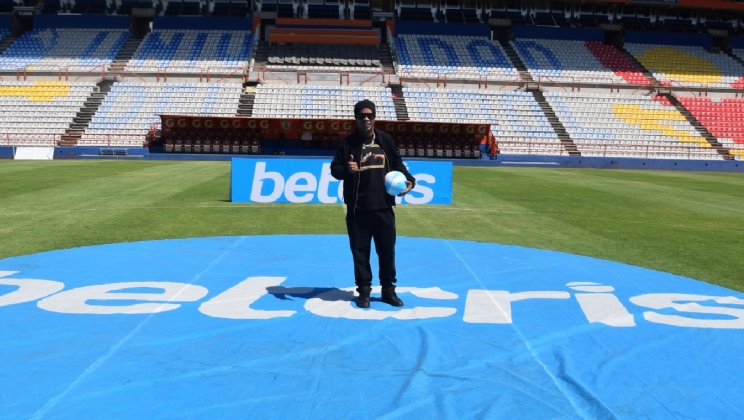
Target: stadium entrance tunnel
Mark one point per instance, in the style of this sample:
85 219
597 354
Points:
266 327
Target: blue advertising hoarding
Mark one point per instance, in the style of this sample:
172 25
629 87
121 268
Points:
262 180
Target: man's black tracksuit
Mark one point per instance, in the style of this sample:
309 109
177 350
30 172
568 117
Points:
369 208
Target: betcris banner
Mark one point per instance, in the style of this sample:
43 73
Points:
288 180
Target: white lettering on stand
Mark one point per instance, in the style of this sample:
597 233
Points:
74 301
258 180
292 187
235 302
323 188
337 303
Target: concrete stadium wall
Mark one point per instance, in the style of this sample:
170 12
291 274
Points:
542 32
81 21
696 40
428 28
207 23
6 152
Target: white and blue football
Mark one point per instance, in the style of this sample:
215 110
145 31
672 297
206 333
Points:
395 183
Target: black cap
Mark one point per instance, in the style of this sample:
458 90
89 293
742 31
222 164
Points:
366 103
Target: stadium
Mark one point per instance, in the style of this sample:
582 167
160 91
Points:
173 242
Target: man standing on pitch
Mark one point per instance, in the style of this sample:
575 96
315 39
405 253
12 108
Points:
362 160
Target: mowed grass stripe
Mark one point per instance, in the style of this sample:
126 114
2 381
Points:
691 224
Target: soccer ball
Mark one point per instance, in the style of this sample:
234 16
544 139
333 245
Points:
395 183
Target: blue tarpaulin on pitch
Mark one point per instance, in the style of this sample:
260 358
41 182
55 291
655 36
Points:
265 327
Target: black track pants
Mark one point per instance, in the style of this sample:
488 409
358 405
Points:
363 226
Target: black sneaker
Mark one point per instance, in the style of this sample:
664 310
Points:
363 299
389 297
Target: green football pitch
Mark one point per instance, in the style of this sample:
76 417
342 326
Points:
690 224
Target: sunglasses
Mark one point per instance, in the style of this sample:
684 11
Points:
365 115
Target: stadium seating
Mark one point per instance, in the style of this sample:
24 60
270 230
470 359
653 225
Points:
586 61
285 101
466 57
628 126
190 50
132 108
723 118
349 57
75 49
687 65
517 121
31 111
3 33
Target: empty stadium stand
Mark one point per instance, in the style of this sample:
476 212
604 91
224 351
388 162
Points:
38 113
629 126
49 49
722 117
285 101
689 66
516 119
132 108
468 57
190 50
585 61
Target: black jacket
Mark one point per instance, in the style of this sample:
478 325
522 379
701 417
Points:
352 145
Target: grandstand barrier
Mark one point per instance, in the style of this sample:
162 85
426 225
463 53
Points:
81 21
119 73
101 67
387 77
569 34
667 38
221 23
428 28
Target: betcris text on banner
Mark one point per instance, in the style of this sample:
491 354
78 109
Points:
258 180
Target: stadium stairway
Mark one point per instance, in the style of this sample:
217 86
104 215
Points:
730 54
699 127
401 111
640 66
85 115
6 43
262 54
512 55
247 98
127 51
559 129
386 58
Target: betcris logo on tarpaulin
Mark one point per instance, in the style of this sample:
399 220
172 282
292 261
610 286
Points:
287 180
